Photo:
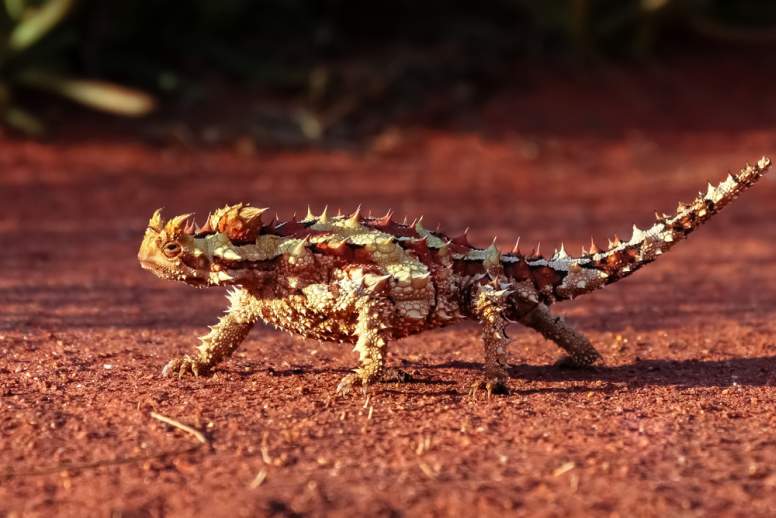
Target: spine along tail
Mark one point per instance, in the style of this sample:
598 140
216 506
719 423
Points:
596 268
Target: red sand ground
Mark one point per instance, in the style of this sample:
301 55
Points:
680 421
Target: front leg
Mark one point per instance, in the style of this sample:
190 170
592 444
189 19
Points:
581 351
488 307
374 318
222 340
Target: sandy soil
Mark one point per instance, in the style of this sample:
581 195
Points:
680 420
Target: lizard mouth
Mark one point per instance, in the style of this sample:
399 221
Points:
154 268
164 273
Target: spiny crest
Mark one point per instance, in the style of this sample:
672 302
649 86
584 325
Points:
239 222
716 197
324 217
387 225
179 226
624 257
173 228
156 223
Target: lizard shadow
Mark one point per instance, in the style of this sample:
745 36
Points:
752 372
435 386
415 379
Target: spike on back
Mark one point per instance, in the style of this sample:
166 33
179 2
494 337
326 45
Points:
384 220
354 220
240 223
594 247
536 252
560 254
462 239
418 225
324 217
301 248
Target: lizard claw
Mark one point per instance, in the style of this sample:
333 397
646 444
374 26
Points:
348 383
183 366
345 385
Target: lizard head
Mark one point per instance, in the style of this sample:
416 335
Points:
223 252
170 250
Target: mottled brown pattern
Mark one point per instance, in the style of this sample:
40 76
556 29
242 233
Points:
369 280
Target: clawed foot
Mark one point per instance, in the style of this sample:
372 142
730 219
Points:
183 366
498 386
389 375
347 383
572 363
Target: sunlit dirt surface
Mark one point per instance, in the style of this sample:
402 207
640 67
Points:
680 420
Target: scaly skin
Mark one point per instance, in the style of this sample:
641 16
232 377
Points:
368 281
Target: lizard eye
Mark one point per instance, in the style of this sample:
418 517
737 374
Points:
171 249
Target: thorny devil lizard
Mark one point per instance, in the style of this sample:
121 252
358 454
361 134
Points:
367 281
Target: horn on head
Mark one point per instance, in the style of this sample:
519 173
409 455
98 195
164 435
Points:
156 222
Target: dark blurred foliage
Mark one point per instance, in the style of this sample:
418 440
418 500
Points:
276 41
34 47
320 48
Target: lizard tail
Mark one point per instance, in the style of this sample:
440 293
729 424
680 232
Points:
596 268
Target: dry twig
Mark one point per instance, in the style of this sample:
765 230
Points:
199 436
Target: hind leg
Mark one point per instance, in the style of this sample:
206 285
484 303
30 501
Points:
581 352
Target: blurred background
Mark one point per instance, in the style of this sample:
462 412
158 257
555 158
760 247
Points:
294 72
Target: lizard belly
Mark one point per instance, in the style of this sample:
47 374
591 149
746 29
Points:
314 312
326 312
